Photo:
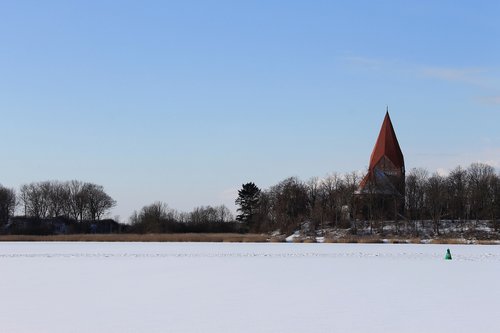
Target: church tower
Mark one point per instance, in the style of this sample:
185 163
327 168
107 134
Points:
386 172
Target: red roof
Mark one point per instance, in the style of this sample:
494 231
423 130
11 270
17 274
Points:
387 145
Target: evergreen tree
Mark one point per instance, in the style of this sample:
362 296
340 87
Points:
248 200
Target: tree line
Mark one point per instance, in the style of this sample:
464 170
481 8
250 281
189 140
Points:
324 202
470 194
465 194
50 199
80 206
158 217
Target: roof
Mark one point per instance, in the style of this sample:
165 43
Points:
387 145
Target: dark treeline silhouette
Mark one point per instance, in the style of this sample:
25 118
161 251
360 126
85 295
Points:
72 207
73 199
285 206
461 199
159 218
55 207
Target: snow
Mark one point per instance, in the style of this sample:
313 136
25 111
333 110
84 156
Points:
292 237
222 287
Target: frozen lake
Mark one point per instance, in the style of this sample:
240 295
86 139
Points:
221 287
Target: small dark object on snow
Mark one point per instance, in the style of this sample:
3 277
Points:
448 255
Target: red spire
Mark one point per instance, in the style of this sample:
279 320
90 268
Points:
387 145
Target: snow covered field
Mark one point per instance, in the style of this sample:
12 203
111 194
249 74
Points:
219 287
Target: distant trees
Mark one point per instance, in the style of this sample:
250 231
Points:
436 199
330 197
159 218
98 202
415 188
7 204
73 199
35 199
289 203
481 178
457 188
319 202
210 214
464 194
153 218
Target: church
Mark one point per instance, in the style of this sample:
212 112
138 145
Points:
383 187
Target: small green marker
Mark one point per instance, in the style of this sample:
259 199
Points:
448 255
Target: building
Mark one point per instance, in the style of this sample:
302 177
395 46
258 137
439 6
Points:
384 183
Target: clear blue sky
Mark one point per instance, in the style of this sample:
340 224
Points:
183 101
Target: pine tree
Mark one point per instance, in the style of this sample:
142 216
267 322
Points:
248 200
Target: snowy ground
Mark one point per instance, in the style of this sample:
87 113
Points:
217 287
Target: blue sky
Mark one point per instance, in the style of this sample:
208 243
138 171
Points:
183 101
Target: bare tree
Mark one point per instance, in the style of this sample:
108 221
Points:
35 199
77 199
23 198
264 218
495 214
456 184
331 187
289 203
209 214
350 186
435 197
151 218
480 194
416 182
313 186
59 196
72 199
224 214
98 201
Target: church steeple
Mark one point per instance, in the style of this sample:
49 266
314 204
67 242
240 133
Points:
386 172
385 180
387 146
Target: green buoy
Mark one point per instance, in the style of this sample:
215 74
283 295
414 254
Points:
448 255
